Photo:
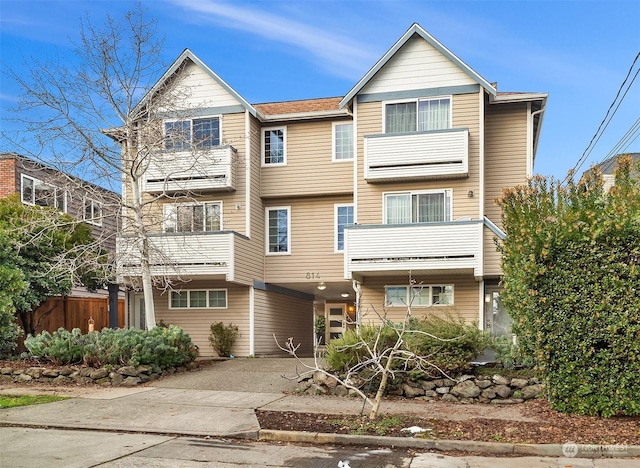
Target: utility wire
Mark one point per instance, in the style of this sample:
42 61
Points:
606 120
632 134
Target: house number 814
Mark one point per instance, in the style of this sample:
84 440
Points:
313 275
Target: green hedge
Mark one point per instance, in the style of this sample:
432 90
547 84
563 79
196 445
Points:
160 347
571 263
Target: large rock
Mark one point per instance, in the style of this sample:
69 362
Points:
519 383
500 380
128 370
531 391
489 393
412 392
483 383
99 374
450 398
23 378
35 372
503 391
131 381
116 379
466 389
443 390
6 371
428 384
51 373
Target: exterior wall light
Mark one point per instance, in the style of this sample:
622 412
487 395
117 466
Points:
322 286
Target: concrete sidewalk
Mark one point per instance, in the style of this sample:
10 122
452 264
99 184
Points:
178 405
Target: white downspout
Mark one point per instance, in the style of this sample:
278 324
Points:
357 287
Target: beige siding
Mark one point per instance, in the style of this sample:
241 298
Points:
284 317
465 296
505 165
309 169
312 242
370 196
199 89
197 322
492 257
417 65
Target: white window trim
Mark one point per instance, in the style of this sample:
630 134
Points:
95 221
423 286
335 224
416 192
416 100
166 206
35 181
263 145
188 291
333 143
191 119
266 223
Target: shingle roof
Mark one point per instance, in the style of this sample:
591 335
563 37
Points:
301 106
608 166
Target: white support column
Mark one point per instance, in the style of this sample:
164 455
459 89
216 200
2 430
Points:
481 304
252 322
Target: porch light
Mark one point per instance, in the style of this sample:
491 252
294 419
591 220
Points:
322 286
345 294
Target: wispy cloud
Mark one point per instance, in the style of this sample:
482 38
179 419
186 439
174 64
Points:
339 54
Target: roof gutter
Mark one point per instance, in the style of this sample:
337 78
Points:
306 115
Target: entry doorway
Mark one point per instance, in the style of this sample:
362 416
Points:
137 318
336 320
496 319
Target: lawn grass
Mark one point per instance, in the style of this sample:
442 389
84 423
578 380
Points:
10 401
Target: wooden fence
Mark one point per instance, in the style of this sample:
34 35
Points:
75 312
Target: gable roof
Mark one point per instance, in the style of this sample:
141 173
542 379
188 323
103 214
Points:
301 109
609 166
413 30
177 64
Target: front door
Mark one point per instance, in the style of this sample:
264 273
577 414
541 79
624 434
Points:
136 311
496 319
337 322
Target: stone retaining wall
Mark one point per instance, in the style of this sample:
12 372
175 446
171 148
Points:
494 389
126 376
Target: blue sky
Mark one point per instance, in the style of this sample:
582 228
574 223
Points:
577 51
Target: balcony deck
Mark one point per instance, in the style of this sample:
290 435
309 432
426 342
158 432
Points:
199 171
208 254
424 248
417 155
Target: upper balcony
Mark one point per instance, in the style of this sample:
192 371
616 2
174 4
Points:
199 171
423 248
209 254
416 155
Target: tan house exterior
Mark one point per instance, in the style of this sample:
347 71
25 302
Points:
331 207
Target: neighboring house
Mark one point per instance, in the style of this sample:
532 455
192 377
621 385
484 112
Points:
39 184
316 206
609 166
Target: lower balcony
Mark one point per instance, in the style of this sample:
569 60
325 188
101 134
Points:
425 248
181 255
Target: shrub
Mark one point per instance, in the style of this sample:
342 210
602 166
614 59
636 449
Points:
222 338
11 284
448 342
455 344
160 347
571 263
509 354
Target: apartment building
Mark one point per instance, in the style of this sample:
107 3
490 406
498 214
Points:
41 185
343 207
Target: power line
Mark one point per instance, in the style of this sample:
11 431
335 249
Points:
606 120
632 134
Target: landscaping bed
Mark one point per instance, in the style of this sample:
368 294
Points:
543 425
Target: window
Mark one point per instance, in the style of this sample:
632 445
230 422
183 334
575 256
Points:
421 115
342 142
192 217
93 212
423 207
278 227
179 135
273 146
36 192
419 296
344 217
198 299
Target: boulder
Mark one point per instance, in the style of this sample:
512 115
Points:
428 384
466 389
519 383
412 392
443 390
99 374
483 383
503 391
23 378
131 381
450 398
128 370
500 380
35 372
531 391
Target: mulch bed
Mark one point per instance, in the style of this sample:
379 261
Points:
551 427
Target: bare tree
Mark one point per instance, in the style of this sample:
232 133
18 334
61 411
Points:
102 119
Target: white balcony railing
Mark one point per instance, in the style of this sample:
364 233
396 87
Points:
425 248
417 155
203 170
180 254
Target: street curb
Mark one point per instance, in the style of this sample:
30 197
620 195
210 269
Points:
496 448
